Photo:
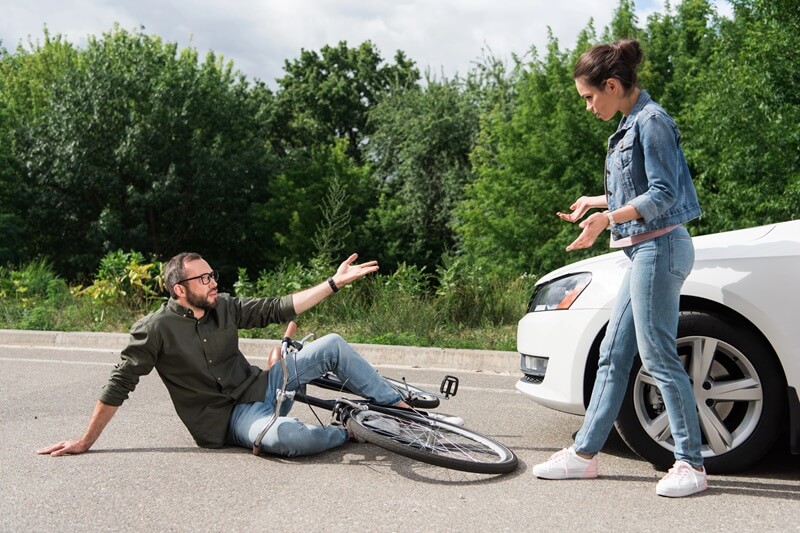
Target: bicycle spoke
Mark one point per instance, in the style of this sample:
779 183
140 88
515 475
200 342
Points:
429 438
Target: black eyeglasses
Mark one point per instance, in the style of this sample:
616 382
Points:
205 279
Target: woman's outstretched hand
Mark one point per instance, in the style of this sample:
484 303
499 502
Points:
581 206
592 227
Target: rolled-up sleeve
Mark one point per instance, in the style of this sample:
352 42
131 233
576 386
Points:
258 312
662 167
138 359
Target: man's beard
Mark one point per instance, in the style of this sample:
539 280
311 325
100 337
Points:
200 301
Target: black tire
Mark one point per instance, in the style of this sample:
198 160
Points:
413 396
740 401
432 442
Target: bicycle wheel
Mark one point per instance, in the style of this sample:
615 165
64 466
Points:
412 395
431 441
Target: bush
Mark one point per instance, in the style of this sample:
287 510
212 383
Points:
34 297
459 307
286 279
407 307
32 281
125 278
469 296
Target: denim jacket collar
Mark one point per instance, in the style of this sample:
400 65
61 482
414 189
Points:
643 100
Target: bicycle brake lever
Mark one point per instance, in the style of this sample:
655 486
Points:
299 344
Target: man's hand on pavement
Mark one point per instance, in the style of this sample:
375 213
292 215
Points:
67 447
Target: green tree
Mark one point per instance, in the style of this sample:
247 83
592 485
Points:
294 205
678 45
328 95
420 151
145 148
538 161
743 136
26 79
624 24
319 126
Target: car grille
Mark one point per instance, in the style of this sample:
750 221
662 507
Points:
532 379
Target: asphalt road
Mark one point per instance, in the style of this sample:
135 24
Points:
146 474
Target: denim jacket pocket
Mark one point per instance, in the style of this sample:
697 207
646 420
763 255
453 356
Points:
620 185
622 153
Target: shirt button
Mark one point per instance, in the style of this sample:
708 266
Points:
219 379
205 340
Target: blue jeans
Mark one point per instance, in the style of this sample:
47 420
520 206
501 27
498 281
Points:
289 436
645 320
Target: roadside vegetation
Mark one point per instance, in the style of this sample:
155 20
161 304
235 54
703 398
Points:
398 308
126 151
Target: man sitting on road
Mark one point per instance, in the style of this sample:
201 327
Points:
192 341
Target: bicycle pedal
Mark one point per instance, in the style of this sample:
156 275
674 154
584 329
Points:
449 386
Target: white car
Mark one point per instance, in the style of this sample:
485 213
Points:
739 337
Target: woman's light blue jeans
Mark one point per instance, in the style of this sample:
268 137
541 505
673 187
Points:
289 436
645 320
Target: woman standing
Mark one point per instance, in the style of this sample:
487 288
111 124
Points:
649 196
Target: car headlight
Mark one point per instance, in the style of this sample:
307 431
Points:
559 293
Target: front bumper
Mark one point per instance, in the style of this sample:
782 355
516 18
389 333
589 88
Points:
566 339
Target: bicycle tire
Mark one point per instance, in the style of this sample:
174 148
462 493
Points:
431 441
412 395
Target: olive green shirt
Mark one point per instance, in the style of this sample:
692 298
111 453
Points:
199 361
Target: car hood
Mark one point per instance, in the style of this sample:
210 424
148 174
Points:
771 239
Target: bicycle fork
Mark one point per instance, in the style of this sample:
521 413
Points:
280 395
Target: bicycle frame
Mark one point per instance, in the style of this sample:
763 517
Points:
281 396
410 432
448 388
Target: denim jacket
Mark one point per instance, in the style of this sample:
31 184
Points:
645 168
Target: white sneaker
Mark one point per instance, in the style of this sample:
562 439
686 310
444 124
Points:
447 419
682 480
566 464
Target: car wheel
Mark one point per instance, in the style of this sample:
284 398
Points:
738 387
